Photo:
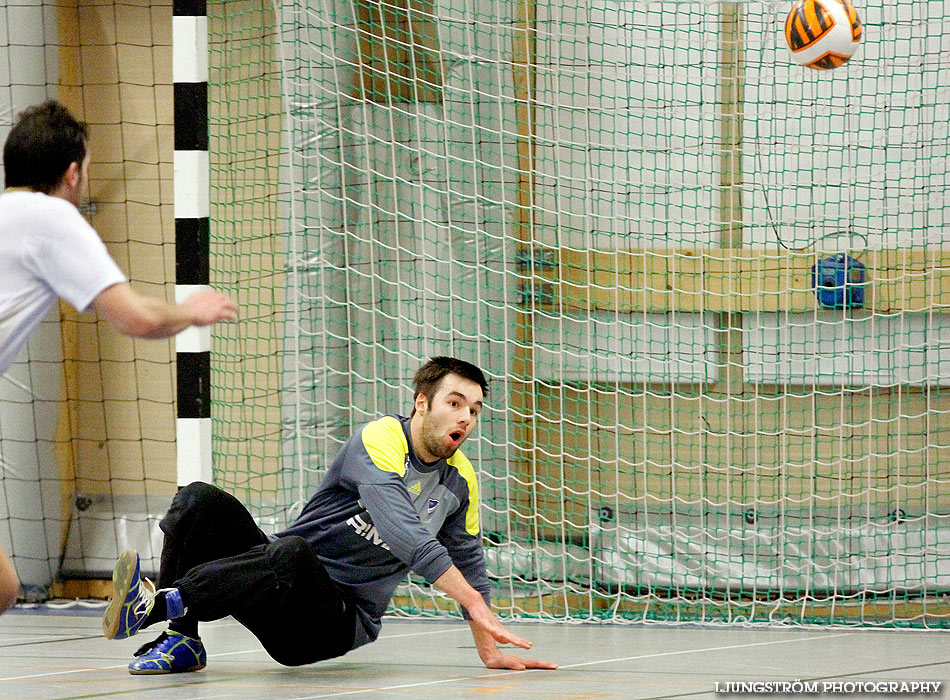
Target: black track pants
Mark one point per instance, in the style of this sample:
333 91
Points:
223 564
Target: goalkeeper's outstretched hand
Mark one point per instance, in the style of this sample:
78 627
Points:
489 632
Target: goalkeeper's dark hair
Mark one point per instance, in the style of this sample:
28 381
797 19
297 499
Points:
42 144
429 377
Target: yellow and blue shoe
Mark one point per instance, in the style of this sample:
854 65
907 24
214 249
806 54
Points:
170 653
132 600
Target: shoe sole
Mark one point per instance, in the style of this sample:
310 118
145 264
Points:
121 581
158 672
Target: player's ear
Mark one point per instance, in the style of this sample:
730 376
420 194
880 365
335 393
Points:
421 404
73 174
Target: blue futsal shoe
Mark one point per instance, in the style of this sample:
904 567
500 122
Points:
132 600
170 653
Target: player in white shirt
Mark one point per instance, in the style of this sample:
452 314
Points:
48 250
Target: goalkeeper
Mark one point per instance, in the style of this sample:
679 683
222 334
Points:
48 250
400 496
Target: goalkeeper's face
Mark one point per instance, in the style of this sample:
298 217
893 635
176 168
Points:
447 419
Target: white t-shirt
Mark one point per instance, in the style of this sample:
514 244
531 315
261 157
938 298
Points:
47 250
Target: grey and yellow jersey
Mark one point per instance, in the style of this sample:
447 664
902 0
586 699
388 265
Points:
381 512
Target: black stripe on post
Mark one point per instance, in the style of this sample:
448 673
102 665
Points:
191 116
192 251
190 8
194 385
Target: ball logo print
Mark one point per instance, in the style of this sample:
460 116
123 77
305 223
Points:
822 34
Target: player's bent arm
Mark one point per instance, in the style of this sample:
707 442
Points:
142 316
9 582
454 584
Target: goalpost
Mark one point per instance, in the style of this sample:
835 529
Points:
709 286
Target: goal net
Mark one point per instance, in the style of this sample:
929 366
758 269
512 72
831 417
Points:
709 287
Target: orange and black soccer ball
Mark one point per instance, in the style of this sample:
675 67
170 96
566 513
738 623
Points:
822 34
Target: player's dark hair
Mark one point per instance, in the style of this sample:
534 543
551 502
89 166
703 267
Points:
430 375
42 144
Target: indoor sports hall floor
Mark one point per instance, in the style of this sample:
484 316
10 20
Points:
50 654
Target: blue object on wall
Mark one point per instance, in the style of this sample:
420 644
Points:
839 282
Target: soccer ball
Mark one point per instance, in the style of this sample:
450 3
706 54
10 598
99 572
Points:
822 34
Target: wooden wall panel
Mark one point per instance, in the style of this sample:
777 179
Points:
861 455
115 64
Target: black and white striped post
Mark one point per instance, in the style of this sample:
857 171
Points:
192 232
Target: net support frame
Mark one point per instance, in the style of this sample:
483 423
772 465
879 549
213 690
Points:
192 235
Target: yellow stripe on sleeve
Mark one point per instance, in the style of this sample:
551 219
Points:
467 471
385 442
